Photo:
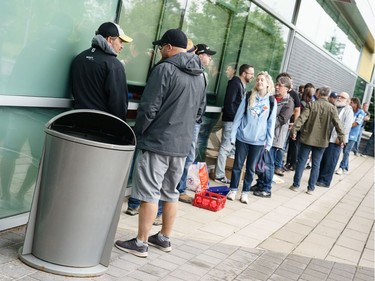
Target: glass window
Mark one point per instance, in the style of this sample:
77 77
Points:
40 38
264 42
21 144
140 20
317 25
207 23
360 88
283 8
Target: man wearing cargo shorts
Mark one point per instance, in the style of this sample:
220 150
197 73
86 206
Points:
172 101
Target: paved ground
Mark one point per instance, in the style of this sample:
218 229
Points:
292 236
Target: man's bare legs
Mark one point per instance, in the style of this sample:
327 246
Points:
147 214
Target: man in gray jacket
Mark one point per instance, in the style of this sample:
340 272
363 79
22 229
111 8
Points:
172 101
285 109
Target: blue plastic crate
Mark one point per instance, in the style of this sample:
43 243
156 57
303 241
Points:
223 190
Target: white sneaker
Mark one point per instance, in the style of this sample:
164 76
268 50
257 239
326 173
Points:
345 172
339 171
231 195
244 198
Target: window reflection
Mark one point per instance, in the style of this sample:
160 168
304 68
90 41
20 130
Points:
140 21
21 143
317 25
239 31
36 61
264 41
283 8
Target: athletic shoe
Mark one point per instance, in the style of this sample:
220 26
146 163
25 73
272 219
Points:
255 187
231 195
158 220
222 180
132 211
131 246
244 198
293 188
321 184
263 194
160 243
339 171
309 192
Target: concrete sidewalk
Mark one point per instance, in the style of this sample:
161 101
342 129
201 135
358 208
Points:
292 236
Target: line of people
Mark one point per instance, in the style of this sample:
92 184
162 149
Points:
168 119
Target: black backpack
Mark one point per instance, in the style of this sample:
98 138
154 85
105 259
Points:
272 103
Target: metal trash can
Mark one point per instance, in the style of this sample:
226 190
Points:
79 193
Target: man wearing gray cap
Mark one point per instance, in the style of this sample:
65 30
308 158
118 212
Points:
98 79
172 101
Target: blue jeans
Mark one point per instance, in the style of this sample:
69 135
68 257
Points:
209 121
279 154
251 153
264 181
134 204
181 187
279 158
345 159
225 150
329 161
303 155
356 145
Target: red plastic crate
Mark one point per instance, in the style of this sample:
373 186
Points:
209 200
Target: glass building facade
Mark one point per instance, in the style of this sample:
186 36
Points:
40 38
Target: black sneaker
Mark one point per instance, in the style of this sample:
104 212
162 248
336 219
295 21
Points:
130 246
321 184
155 241
255 187
263 194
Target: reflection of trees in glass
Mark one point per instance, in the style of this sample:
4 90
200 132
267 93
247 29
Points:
207 23
263 42
140 17
220 25
334 47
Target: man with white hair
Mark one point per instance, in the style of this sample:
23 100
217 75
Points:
332 153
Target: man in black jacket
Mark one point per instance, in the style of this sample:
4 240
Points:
236 91
98 79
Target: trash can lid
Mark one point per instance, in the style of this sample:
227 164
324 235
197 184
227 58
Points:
93 125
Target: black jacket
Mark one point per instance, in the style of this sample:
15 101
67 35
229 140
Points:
233 97
98 81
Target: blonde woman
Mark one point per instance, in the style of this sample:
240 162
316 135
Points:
252 132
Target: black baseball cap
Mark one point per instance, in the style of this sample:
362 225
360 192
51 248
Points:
204 49
112 29
175 37
333 95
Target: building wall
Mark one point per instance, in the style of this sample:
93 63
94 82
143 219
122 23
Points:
366 64
309 64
